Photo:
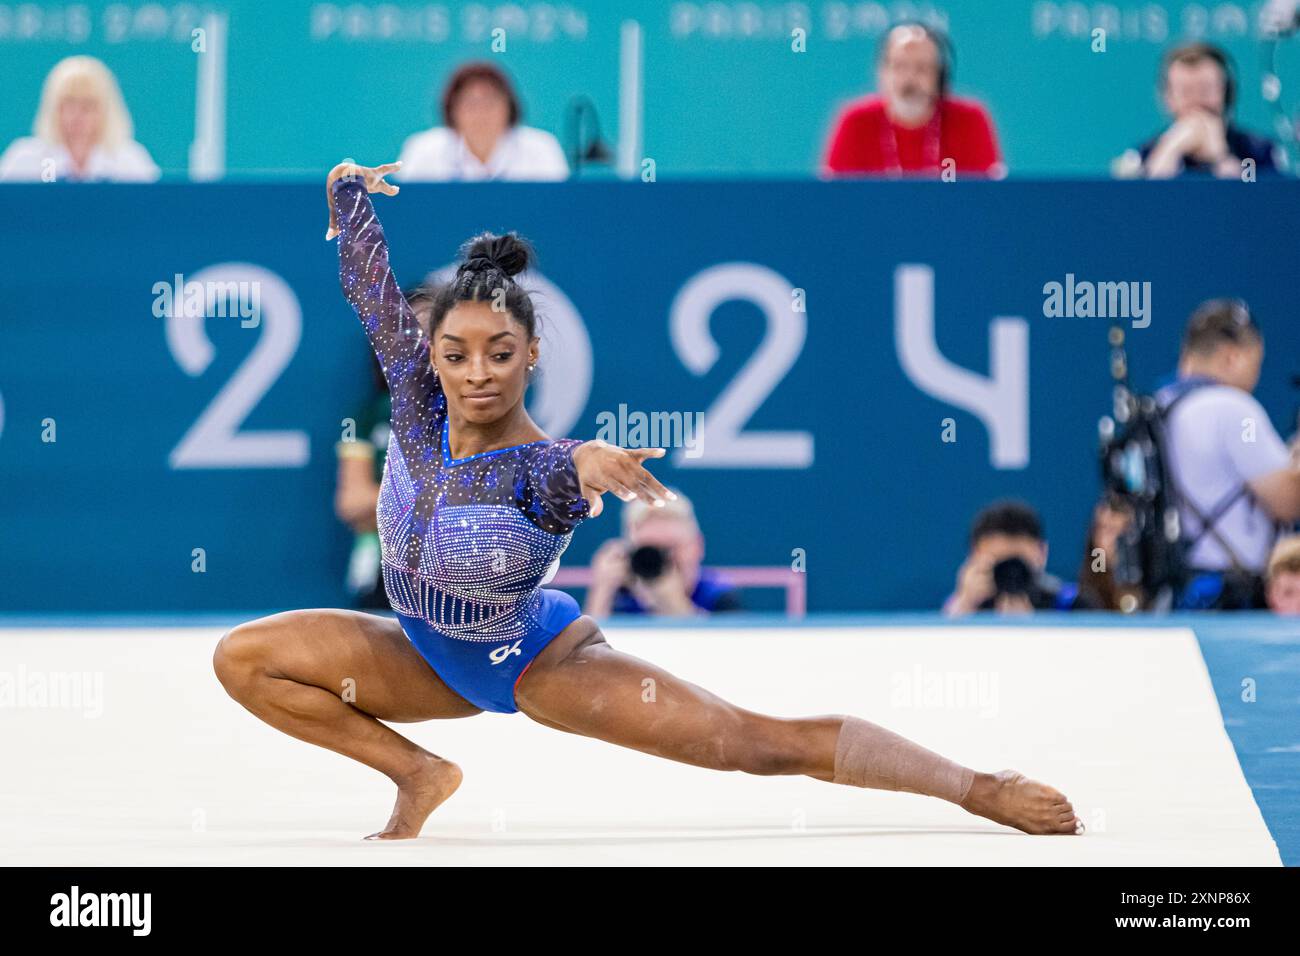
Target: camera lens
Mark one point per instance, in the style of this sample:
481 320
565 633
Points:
1012 576
648 562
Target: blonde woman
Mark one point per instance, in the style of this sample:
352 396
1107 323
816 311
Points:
82 132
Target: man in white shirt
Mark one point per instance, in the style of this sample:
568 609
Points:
482 138
1236 477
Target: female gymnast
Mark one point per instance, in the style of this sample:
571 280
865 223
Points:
477 505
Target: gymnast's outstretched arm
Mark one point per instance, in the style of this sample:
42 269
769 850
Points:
373 291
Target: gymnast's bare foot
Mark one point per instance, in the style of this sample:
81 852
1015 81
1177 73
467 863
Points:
1011 798
418 796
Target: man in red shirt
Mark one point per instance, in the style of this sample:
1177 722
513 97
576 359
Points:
913 126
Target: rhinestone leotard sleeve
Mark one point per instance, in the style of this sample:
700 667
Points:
551 494
418 404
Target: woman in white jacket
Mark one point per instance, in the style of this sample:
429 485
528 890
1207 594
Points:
482 138
82 132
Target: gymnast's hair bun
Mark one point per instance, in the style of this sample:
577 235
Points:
509 254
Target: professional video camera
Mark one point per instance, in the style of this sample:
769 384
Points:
1148 567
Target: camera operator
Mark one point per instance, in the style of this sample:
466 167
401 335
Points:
1236 479
654 568
1004 570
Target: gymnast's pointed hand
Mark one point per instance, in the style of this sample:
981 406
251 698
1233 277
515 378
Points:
604 467
373 178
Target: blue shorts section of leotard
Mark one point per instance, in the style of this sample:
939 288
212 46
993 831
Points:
485 672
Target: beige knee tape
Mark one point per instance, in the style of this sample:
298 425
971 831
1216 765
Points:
868 755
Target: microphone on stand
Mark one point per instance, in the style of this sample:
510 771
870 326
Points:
580 113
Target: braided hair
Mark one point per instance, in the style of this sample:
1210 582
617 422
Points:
486 273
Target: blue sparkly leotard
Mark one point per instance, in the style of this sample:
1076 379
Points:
468 542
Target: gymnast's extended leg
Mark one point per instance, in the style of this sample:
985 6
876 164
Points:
330 677
582 684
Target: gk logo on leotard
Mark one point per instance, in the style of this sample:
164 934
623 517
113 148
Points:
505 650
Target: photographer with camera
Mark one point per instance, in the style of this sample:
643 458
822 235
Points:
654 568
1005 569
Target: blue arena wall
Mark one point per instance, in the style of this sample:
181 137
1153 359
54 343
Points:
824 429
